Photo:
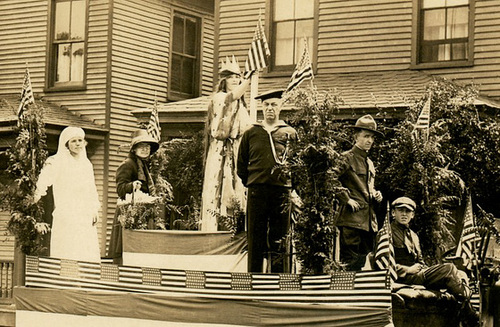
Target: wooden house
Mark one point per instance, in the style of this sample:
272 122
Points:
377 54
92 62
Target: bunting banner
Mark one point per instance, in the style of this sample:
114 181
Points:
154 129
303 70
90 294
26 94
259 52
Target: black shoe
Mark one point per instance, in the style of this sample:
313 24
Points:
468 316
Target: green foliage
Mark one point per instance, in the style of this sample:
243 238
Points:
312 165
184 170
142 215
234 221
25 160
462 151
461 154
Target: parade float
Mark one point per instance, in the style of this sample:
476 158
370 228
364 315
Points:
187 278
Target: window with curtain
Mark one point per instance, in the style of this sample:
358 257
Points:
444 31
292 20
67 52
185 59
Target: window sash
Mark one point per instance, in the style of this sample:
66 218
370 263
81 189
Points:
444 31
68 44
185 57
291 22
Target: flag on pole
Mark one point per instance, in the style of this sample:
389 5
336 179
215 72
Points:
466 248
259 52
26 94
384 252
154 123
424 117
303 70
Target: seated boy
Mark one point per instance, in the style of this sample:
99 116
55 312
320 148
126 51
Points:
411 268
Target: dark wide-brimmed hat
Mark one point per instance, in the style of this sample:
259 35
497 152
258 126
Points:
367 123
142 136
404 202
270 94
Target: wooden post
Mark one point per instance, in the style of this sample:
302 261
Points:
254 90
19 277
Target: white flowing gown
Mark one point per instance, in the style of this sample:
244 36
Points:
221 185
76 202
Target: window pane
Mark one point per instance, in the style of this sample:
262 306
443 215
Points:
190 41
434 25
78 20
178 35
175 74
444 52
283 10
187 80
457 2
459 51
433 3
458 23
77 62
61 29
63 62
284 43
304 9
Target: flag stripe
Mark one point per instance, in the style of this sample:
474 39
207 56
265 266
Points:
384 253
26 94
303 70
154 129
259 50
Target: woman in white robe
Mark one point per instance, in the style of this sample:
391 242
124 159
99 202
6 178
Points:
76 201
227 119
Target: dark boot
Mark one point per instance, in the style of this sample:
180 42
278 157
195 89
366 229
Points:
468 316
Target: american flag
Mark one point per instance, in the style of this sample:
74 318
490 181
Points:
26 94
470 237
424 117
303 70
384 253
154 123
362 298
259 52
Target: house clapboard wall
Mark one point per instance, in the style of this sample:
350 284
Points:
366 36
128 52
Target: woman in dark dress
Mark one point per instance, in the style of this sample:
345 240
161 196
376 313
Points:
132 176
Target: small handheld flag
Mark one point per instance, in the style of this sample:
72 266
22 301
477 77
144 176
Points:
259 52
303 70
26 94
154 128
384 253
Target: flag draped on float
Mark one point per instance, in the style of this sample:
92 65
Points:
259 52
466 248
26 94
384 252
154 129
303 70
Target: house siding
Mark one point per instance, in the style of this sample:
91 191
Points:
139 70
22 42
367 36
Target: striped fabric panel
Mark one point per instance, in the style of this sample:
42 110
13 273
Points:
364 288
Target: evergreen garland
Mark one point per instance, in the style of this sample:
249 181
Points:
25 160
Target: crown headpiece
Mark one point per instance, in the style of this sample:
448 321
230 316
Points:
230 66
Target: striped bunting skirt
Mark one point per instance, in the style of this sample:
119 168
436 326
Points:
357 289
